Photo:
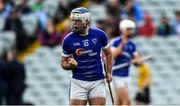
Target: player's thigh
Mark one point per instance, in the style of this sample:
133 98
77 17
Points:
77 102
97 101
121 86
97 93
78 92
121 82
122 92
122 97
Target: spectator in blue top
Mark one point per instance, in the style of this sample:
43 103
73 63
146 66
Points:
4 9
23 7
176 24
131 7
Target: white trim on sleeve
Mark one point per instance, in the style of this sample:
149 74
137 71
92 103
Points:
105 47
113 48
66 55
135 53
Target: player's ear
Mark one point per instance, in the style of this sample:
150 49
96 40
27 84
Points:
87 21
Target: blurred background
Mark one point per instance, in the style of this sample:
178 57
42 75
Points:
31 33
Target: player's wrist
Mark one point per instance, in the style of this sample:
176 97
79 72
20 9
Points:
71 66
67 67
109 73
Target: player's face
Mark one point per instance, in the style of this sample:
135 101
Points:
129 32
76 25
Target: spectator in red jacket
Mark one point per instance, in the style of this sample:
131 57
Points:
147 28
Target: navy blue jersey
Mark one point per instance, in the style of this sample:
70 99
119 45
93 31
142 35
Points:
127 54
86 50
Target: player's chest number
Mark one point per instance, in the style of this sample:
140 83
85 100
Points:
86 43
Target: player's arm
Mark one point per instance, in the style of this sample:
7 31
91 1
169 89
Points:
68 63
136 59
108 59
108 55
116 51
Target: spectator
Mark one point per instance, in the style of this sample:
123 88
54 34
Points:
62 11
131 7
37 6
64 6
42 20
3 84
98 12
74 3
101 24
23 7
10 2
147 28
176 24
112 26
131 17
112 18
15 80
65 31
4 9
164 29
13 23
49 37
113 8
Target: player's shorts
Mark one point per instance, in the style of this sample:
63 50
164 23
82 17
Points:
144 96
85 90
121 82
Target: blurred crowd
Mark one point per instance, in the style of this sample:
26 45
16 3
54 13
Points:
41 26
105 14
12 11
116 10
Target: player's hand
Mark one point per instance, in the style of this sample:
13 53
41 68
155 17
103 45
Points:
136 62
124 40
72 62
109 78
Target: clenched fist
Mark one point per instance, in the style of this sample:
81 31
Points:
72 62
109 78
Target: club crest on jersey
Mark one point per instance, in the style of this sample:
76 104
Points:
94 40
82 52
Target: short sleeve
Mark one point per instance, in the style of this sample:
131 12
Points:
134 51
104 40
114 43
66 50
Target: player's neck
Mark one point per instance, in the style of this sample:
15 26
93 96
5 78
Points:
124 37
85 32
